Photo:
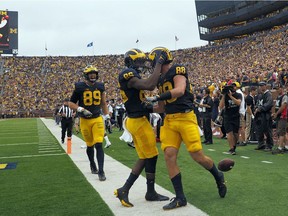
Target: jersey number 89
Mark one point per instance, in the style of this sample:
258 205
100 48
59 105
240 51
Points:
91 98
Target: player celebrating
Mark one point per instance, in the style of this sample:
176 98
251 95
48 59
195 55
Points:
180 124
91 98
132 91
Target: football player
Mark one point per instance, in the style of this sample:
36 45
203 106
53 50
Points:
132 92
88 99
180 124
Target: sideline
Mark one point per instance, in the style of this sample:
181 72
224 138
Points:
116 174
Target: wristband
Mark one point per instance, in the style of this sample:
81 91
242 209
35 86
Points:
164 96
80 109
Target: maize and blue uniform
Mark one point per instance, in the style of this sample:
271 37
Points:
89 97
137 122
180 122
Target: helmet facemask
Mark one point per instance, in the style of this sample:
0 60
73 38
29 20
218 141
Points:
140 65
135 59
91 70
92 76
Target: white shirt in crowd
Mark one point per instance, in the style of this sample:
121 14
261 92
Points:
242 109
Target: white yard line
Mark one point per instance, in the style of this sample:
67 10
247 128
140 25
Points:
45 151
28 156
18 144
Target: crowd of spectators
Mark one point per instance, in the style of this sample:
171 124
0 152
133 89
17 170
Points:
254 58
33 86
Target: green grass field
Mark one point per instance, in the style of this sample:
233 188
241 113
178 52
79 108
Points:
46 181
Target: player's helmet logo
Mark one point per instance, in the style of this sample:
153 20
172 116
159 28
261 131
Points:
135 59
91 69
157 52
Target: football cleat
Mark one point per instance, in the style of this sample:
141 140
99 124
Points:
232 151
122 195
222 189
268 149
155 197
175 203
260 147
108 144
278 151
102 176
131 144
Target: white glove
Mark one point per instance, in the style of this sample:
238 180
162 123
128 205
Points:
85 112
152 99
106 117
80 109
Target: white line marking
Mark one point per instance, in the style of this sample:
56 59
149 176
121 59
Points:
17 144
47 148
245 157
19 132
50 151
48 144
268 162
211 149
28 156
23 137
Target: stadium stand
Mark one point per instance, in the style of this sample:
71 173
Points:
33 86
227 19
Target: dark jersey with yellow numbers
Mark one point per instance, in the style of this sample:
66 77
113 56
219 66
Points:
131 97
88 97
166 83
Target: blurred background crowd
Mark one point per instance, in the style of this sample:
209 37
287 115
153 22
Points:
35 86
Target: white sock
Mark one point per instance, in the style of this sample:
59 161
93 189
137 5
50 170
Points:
106 139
